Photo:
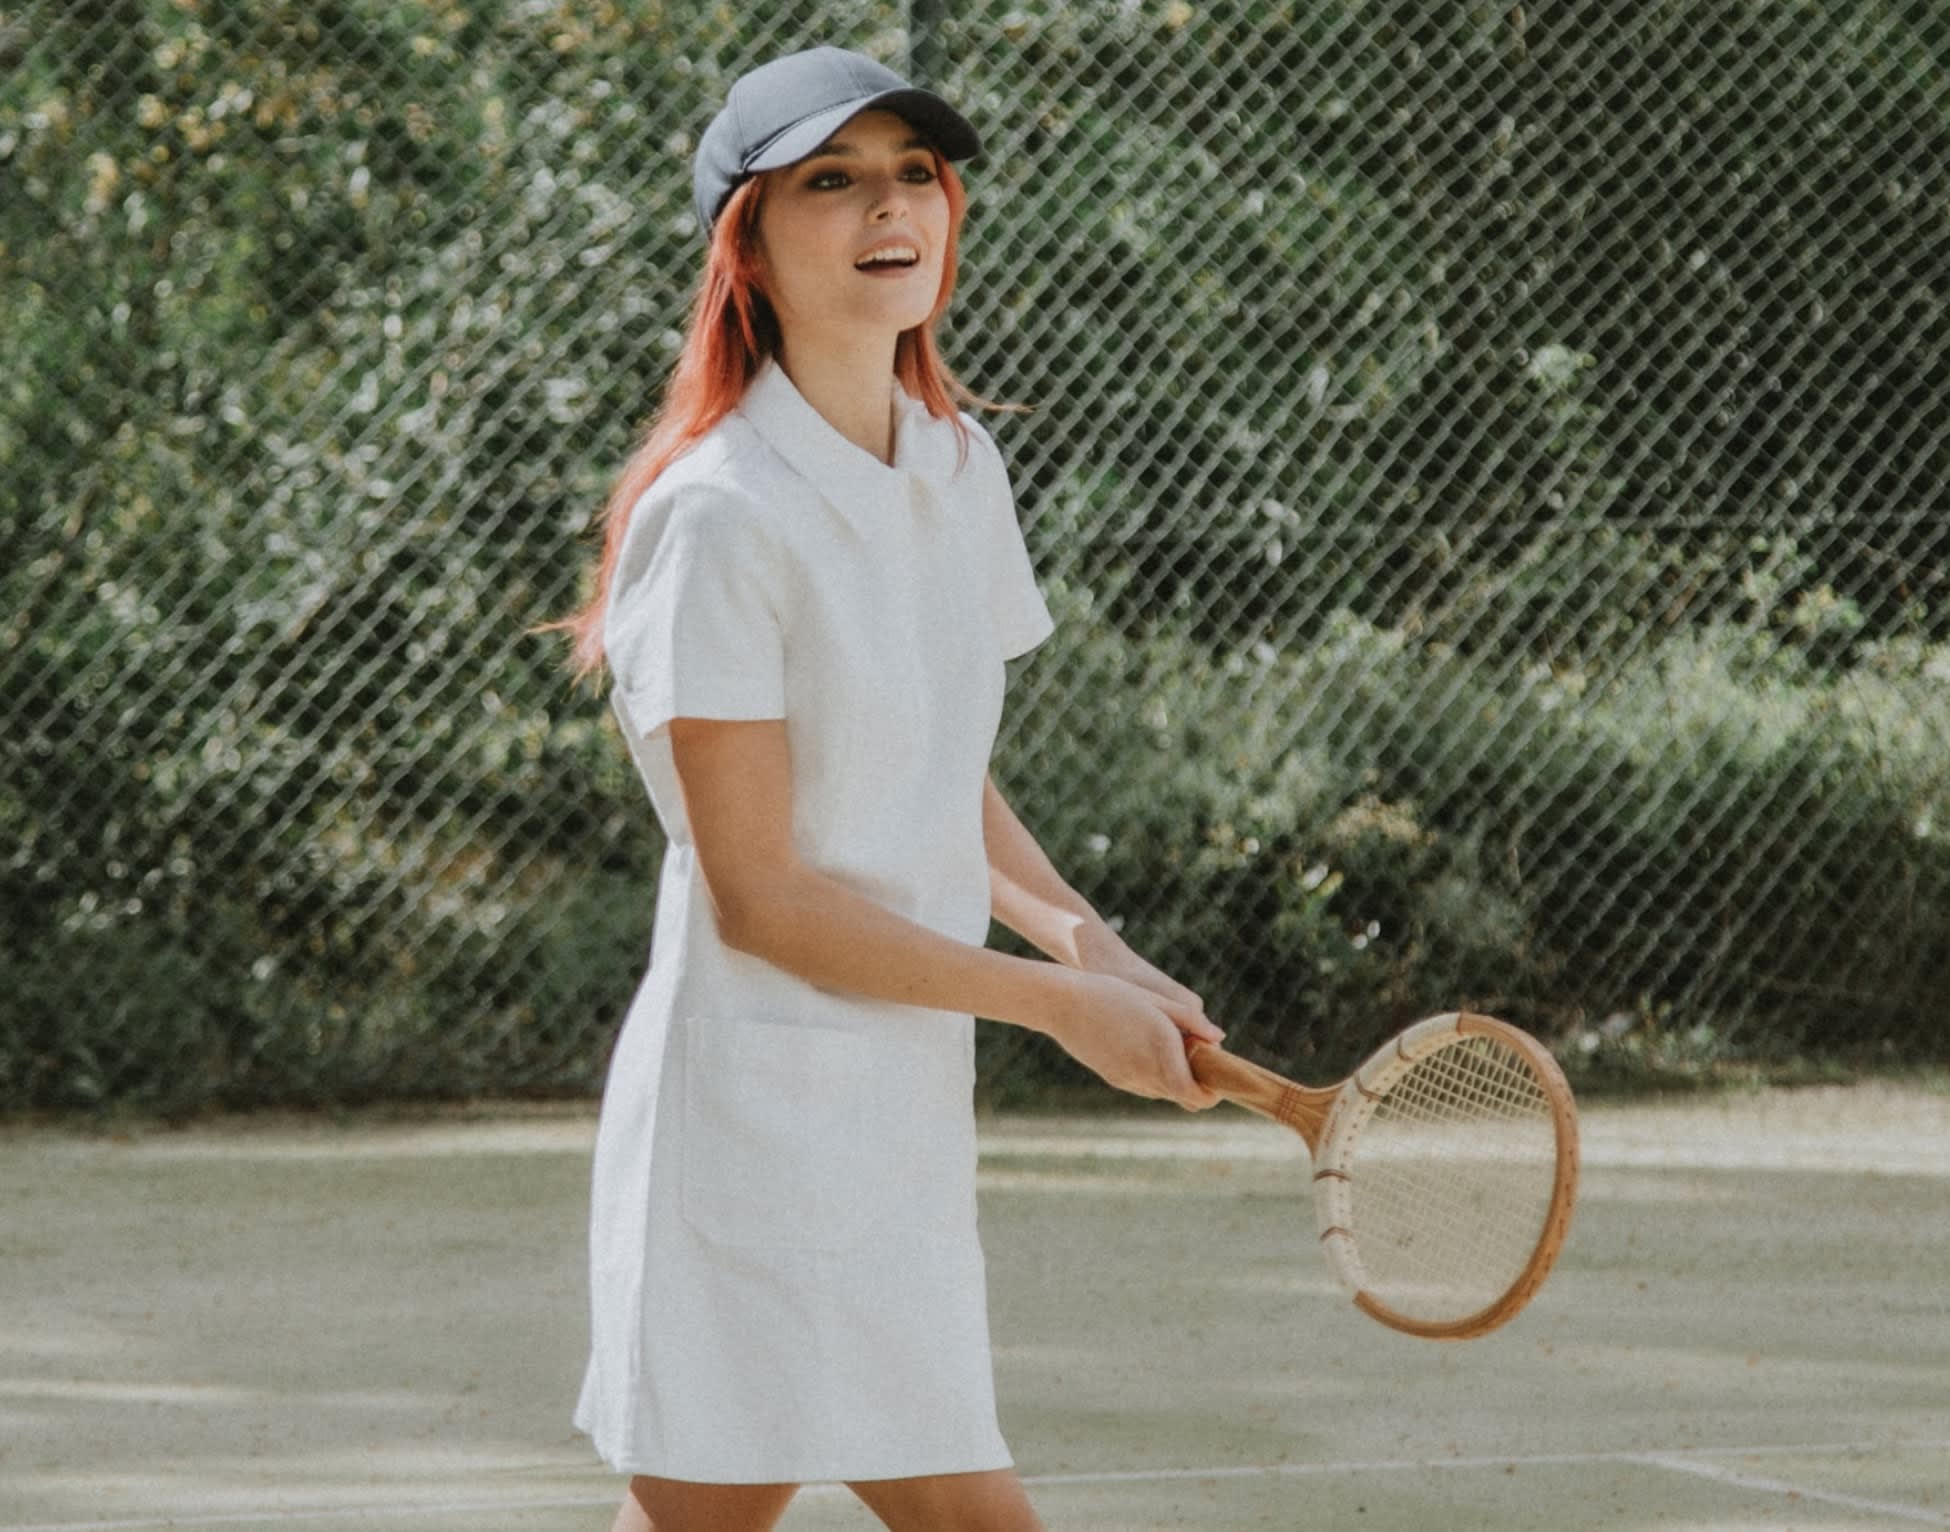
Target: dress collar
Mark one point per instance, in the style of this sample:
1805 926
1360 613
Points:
858 485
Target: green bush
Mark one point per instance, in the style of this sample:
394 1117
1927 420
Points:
1326 867
1490 463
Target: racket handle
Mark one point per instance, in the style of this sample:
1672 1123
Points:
1260 1090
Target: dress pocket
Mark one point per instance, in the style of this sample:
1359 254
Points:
778 1134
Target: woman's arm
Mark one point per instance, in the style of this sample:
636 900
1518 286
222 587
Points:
1030 897
736 780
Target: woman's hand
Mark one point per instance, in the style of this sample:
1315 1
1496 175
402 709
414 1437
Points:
1102 950
1133 1037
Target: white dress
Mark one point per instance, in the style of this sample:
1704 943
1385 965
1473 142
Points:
786 1282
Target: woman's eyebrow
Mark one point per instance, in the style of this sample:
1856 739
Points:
838 148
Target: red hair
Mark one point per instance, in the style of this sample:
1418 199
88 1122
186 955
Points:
731 333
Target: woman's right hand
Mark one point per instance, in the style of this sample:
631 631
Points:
1132 1037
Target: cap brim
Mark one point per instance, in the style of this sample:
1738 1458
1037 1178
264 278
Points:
939 123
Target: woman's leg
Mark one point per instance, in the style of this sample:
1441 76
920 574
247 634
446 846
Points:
673 1505
951 1502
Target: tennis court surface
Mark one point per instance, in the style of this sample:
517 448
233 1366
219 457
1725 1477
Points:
287 1323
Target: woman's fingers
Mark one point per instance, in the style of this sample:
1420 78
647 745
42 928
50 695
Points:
1177 993
1139 970
1193 1022
1184 1085
1135 1039
1174 1066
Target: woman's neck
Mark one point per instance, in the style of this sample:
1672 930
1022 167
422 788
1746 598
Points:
852 386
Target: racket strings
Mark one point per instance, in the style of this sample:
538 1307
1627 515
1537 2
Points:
1452 1179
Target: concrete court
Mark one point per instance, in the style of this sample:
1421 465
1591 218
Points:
289 1323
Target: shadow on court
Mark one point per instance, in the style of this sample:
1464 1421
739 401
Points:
280 1323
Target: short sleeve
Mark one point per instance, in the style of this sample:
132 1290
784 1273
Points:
693 627
1022 617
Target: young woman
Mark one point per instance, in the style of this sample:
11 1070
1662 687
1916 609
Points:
811 578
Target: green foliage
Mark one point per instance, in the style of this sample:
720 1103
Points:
1356 301
1325 856
1490 463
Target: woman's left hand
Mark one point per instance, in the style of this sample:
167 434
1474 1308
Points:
1102 950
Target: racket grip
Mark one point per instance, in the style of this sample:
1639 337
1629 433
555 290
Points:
1260 1090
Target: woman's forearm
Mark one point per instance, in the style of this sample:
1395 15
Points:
1029 896
816 927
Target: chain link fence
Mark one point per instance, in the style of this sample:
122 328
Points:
1488 463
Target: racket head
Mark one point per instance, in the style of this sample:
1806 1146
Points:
1447 1170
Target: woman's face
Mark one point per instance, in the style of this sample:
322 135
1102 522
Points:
870 189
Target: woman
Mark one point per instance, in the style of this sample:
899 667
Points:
811 578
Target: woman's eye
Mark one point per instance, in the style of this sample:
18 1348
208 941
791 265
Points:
833 180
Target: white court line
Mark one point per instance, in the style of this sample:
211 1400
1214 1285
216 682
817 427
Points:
324 1513
1724 1475
1687 1460
1678 1459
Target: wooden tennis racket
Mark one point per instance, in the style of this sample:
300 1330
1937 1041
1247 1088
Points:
1444 1168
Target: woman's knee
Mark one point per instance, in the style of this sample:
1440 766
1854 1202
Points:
965 1502
679 1505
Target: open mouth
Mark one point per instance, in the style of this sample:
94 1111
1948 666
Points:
888 258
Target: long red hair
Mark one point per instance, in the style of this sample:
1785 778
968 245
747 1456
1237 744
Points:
731 332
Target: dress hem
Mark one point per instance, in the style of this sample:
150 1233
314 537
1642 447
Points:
867 1473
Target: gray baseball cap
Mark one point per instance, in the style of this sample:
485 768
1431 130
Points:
783 110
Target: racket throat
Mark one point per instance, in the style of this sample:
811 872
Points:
1304 1111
